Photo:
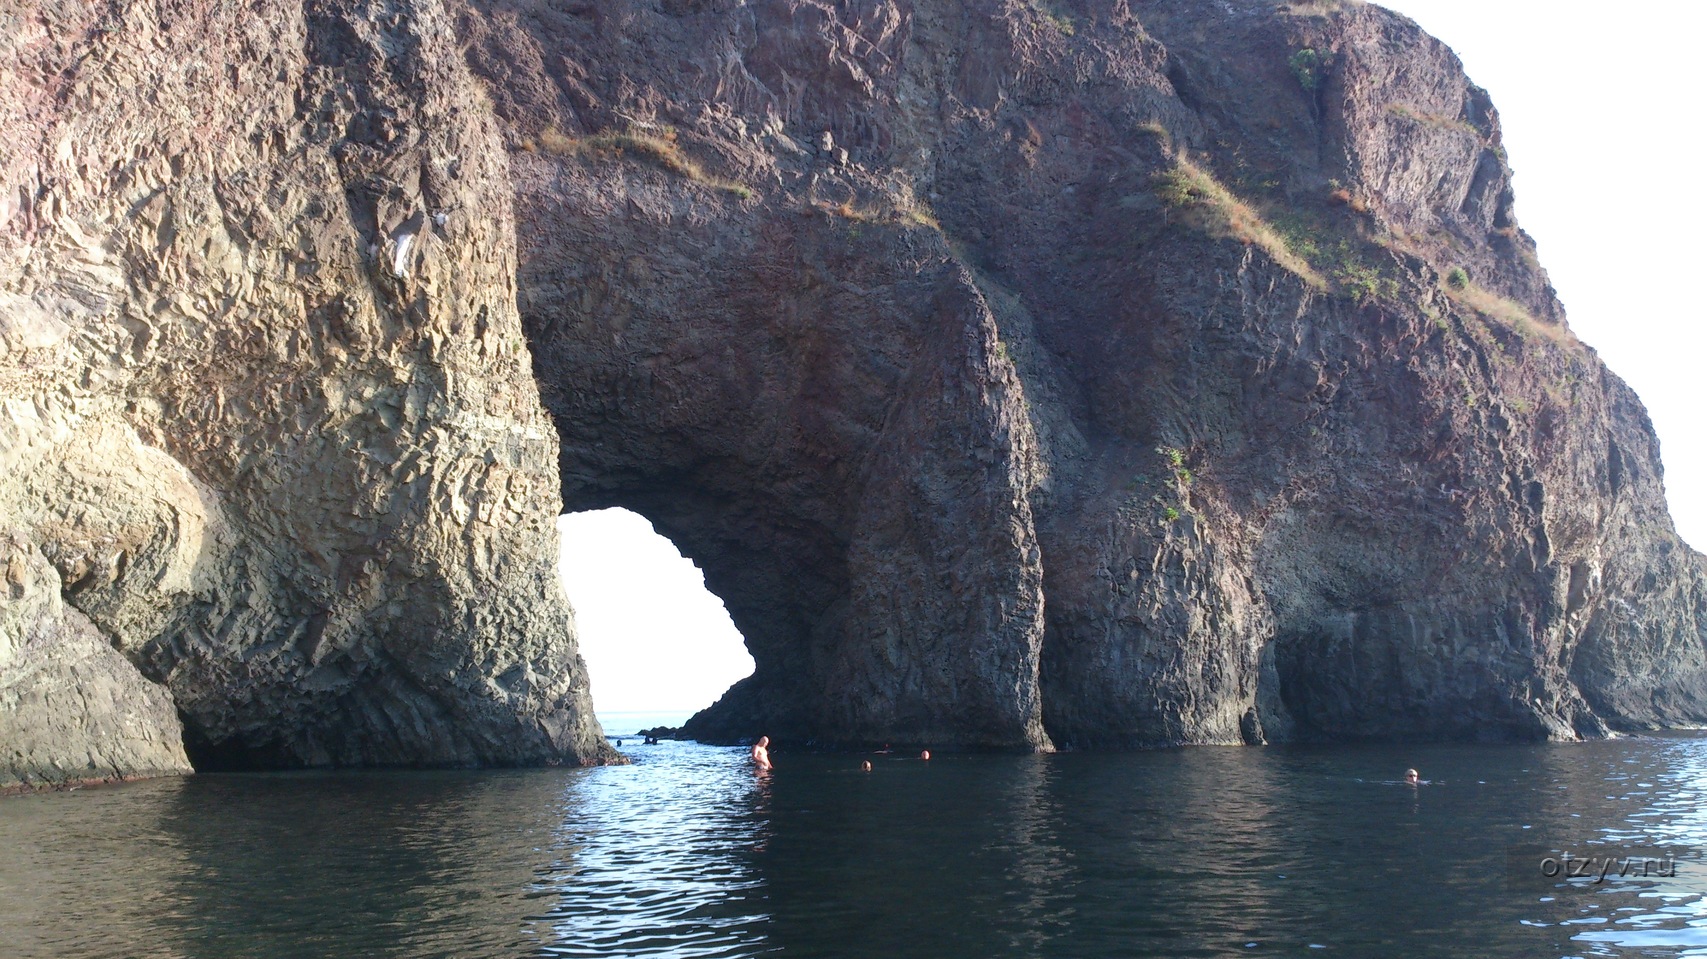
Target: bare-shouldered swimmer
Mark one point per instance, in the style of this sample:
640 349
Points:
762 754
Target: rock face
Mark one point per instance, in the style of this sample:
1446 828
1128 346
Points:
268 425
1098 373
72 709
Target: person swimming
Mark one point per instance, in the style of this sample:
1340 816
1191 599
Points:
865 766
762 754
1411 777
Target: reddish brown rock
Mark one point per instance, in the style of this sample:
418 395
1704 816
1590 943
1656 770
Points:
1098 373
1181 367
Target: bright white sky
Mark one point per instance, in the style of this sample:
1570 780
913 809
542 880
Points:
1601 109
655 641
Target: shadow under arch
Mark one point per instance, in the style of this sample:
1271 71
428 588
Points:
830 432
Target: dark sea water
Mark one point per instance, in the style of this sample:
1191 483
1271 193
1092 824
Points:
1197 852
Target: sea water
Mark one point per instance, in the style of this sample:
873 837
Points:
688 852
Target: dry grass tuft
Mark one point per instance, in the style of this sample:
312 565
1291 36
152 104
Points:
659 148
1316 8
1206 204
1433 119
909 212
1510 313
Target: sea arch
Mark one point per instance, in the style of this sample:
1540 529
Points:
833 436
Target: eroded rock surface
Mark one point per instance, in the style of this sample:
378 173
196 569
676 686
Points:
1097 373
268 415
72 709
1176 368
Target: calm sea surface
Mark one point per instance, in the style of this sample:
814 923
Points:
1198 852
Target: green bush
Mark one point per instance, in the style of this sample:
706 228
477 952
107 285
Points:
1361 282
1176 463
1309 67
1060 21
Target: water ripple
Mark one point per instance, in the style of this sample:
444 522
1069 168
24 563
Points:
652 858
687 853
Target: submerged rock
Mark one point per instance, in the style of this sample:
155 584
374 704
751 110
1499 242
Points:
1107 375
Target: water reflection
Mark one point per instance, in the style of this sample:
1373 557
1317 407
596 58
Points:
1202 852
419 864
653 859
1035 906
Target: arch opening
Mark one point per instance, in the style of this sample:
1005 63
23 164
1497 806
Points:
659 645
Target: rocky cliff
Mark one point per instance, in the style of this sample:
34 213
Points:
269 429
1022 374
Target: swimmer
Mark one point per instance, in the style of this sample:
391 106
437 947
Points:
865 766
925 755
1411 777
762 753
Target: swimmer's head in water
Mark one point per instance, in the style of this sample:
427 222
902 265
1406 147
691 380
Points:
865 766
1410 775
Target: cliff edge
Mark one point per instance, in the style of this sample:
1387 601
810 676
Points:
1023 375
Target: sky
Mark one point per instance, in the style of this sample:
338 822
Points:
1600 109
654 639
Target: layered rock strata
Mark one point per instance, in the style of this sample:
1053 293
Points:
1090 374
269 431
1165 372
